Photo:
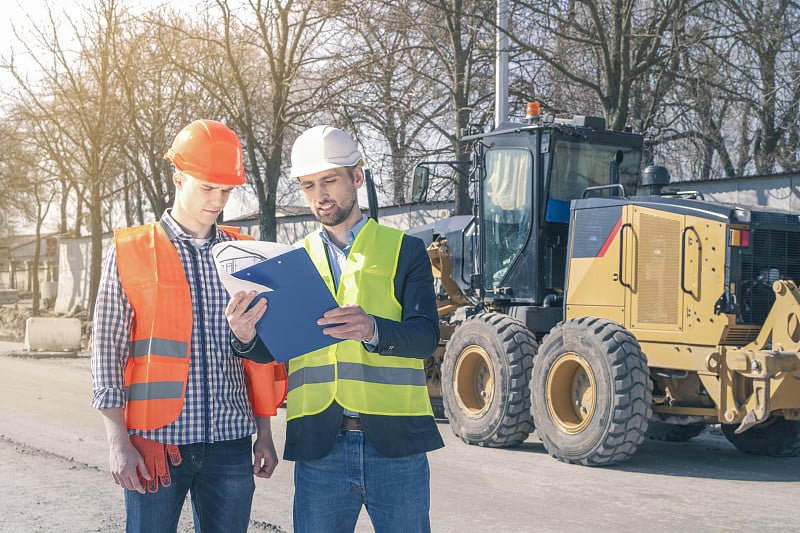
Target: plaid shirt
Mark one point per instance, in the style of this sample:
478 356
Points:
216 407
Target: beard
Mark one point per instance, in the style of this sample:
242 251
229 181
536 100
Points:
339 213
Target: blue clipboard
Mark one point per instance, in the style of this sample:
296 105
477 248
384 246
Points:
299 297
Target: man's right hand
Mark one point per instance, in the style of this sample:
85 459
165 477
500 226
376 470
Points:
126 463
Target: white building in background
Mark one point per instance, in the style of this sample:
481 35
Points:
779 191
16 258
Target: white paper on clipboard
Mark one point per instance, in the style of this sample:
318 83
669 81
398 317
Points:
232 256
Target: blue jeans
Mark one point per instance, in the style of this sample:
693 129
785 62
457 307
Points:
329 492
220 479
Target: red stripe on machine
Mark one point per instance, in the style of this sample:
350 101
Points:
610 238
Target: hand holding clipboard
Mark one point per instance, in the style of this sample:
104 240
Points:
296 294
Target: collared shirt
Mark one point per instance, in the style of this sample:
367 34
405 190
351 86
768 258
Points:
216 406
338 256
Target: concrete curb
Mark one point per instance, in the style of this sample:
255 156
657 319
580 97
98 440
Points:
52 334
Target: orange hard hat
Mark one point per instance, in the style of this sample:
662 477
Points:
210 151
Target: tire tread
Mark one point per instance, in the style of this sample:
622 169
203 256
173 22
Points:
632 390
516 422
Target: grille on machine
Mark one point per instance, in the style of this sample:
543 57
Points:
775 253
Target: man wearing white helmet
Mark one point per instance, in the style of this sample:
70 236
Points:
359 419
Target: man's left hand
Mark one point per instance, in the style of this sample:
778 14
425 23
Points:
349 322
265 459
243 320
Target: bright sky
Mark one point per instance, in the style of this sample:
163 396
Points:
25 15
16 16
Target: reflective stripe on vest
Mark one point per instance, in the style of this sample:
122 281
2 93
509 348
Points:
154 391
165 347
357 379
153 278
357 372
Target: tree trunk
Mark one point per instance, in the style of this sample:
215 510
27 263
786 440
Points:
34 269
96 262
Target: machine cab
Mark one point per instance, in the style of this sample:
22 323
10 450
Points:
524 178
527 178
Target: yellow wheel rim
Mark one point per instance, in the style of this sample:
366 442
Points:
474 381
571 393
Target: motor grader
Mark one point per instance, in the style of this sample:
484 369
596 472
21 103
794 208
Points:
585 299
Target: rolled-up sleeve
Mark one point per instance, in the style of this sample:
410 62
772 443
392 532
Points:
111 327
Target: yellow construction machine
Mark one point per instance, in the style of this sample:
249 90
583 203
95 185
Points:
588 300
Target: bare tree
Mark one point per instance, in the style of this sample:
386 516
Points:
734 109
252 66
30 188
387 95
612 48
767 71
74 100
455 33
158 99
698 109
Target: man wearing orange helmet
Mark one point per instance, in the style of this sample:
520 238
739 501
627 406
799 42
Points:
179 409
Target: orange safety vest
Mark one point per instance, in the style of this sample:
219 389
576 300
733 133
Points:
157 371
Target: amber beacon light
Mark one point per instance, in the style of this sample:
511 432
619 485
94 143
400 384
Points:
532 111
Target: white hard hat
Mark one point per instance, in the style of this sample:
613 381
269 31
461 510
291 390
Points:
322 148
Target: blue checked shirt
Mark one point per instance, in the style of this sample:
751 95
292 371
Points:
216 407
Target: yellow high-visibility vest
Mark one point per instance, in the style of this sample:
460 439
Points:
359 380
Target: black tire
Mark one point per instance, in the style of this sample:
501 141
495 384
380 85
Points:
485 375
591 392
776 437
673 432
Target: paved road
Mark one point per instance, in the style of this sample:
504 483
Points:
53 475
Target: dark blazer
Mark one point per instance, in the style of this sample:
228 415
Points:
416 335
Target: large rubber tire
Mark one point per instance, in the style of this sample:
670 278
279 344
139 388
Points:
485 375
776 437
591 392
673 432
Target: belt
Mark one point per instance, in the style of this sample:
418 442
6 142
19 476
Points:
351 423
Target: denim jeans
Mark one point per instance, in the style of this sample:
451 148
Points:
329 492
219 477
